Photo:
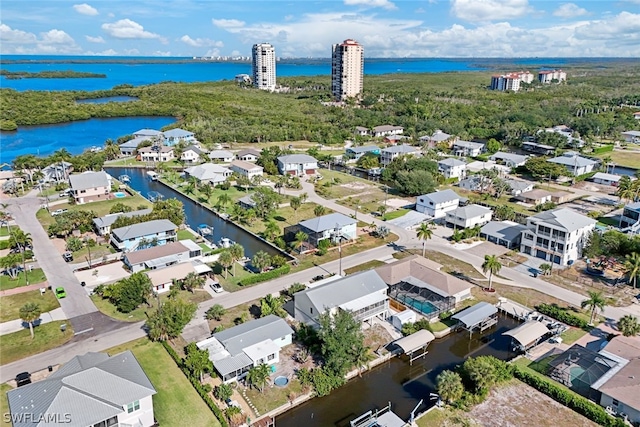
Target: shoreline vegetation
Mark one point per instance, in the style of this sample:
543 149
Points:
68 74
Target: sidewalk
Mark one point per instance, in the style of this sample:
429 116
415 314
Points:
22 289
18 325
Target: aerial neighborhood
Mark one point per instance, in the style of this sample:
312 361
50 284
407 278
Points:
271 272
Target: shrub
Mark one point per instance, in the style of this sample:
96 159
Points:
445 315
268 275
562 315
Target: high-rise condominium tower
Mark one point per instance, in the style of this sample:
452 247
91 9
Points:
347 69
264 66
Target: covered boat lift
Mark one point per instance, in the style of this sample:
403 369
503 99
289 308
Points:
478 317
528 334
416 343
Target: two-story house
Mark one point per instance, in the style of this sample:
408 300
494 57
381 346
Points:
575 164
174 136
149 134
297 164
90 186
144 235
436 138
156 153
467 148
130 147
385 130
354 153
248 155
557 236
452 168
246 169
389 154
334 226
438 203
630 218
468 216
193 155
103 224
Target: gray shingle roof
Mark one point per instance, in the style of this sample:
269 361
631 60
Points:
297 158
327 222
221 154
469 211
147 132
155 252
401 149
90 388
208 171
468 144
248 151
199 151
515 158
518 185
143 229
438 136
247 334
107 220
133 143
88 180
565 218
177 133
451 162
441 196
573 160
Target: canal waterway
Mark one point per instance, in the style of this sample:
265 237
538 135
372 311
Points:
195 214
398 382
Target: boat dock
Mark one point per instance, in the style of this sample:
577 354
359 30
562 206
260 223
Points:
513 308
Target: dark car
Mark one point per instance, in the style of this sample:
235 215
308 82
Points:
67 256
23 378
318 277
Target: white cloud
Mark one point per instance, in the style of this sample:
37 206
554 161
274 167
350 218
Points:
161 53
386 4
9 36
128 29
569 10
85 9
489 10
108 52
91 39
21 42
211 53
228 23
198 42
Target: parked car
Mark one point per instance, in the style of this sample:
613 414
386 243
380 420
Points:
215 286
67 256
318 277
58 212
23 378
60 292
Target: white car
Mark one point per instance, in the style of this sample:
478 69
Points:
58 212
215 286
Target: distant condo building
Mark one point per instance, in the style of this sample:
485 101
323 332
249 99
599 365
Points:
264 66
548 76
510 81
347 69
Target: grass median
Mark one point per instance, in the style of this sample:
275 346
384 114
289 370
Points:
18 345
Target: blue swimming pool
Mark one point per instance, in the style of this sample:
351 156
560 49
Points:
423 307
119 195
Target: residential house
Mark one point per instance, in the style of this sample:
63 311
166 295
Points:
103 223
148 134
363 294
509 159
222 156
536 148
130 147
248 155
246 169
193 155
156 153
438 203
632 136
161 256
236 350
557 235
334 226
355 153
436 138
93 389
208 173
452 168
362 131
606 179
395 139
469 216
144 235
517 186
162 278
385 130
561 196
475 183
477 166
467 148
576 164
174 136
297 164
56 172
247 202
535 197
389 154
630 218
90 186
503 233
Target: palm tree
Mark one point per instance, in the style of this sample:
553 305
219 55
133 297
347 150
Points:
193 281
261 260
281 181
595 303
215 312
625 188
206 190
300 238
632 266
271 305
424 233
225 260
545 268
237 253
449 386
492 265
256 180
30 312
271 230
319 210
223 392
258 376
295 203
629 325
223 200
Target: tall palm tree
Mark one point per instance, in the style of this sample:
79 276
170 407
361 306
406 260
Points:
629 325
261 260
492 265
449 386
271 230
632 266
30 312
223 200
237 253
319 210
424 233
596 302
225 260
625 190
300 238
258 376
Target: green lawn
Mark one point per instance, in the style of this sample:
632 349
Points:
395 214
18 345
364 266
5 232
607 220
10 304
627 158
4 404
572 335
176 403
35 276
186 235
286 216
273 397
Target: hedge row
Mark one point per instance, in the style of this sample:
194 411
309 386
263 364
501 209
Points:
562 315
195 382
603 149
581 405
262 277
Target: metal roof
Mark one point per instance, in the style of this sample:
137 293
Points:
148 132
475 314
327 222
607 176
143 229
528 332
155 252
88 180
469 211
565 218
452 162
232 364
573 160
468 144
503 230
176 133
297 158
107 220
133 143
415 341
403 148
236 339
363 149
441 196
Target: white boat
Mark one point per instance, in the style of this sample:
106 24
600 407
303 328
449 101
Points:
124 178
204 229
154 196
225 242
152 175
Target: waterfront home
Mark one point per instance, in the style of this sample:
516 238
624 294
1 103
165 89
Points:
90 186
557 235
248 155
630 218
533 147
161 256
354 153
509 159
148 135
297 164
389 154
334 226
56 172
437 204
193 155
478 165
436 138
534 197
247 202
364 294
144 235
468 216
103 224
174 136
575 164
130 147
606 178
246 169
517 186
384 130
503 233
221 156
236 350
162 278
452 168
467 148
93 389
208 173
156 153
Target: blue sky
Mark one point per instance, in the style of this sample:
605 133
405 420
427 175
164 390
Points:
306 28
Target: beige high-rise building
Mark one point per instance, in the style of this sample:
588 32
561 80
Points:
347 69
264 66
